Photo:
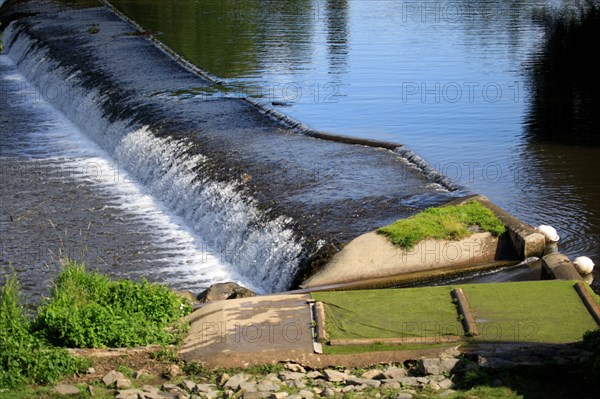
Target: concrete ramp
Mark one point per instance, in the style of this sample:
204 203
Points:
247 331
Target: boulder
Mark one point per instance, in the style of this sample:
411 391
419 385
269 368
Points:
235 381
394 373
335 376
437 365
63 389
111 378
222 291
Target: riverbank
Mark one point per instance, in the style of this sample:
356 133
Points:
262 335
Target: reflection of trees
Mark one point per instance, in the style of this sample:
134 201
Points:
566 81
337 34
229 38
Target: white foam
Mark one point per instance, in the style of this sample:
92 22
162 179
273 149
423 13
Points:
191 210
62 144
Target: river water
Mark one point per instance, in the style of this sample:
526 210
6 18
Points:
499 96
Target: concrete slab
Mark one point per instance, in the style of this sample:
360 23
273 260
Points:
241 331
272 329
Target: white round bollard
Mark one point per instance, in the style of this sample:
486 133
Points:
549 232
584 265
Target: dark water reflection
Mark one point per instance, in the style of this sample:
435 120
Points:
501 96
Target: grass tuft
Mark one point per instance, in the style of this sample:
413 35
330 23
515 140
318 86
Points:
88 310
445 223
24 357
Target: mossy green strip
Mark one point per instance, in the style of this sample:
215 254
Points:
542 311
390 313
445 223
534 311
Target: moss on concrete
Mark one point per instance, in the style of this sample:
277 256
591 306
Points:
444 223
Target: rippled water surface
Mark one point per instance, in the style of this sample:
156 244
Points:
499 96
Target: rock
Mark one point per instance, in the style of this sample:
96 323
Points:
348 388
188 385
404 395
256 395
204 388
394 373
391 384
299 384
150 388
222 291
90 390
288 375
372 374
279 395
306 394
248 387
334 375
91 370
173 371
437 365
123 383
328 393
172 388
362 381
129 394
186 295
446 384
267 386
157 395
235 381
423 380
314 374
223 378
295 396
63 389
111 377
295 367
434 386
409 381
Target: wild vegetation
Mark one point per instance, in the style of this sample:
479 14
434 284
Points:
24 356
88 310
444 223
85 310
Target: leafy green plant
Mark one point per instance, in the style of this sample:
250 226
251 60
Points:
449 222
125 370
23 356
88 310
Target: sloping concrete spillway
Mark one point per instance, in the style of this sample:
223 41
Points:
273 202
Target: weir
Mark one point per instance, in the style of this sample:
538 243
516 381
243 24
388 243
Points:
273 202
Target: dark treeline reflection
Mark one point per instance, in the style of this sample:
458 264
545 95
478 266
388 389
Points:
230 38
565 79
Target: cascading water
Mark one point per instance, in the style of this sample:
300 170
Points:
265 252
272 202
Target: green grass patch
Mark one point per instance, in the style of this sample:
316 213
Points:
24 357
390 313
444 223
536 311
88 310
